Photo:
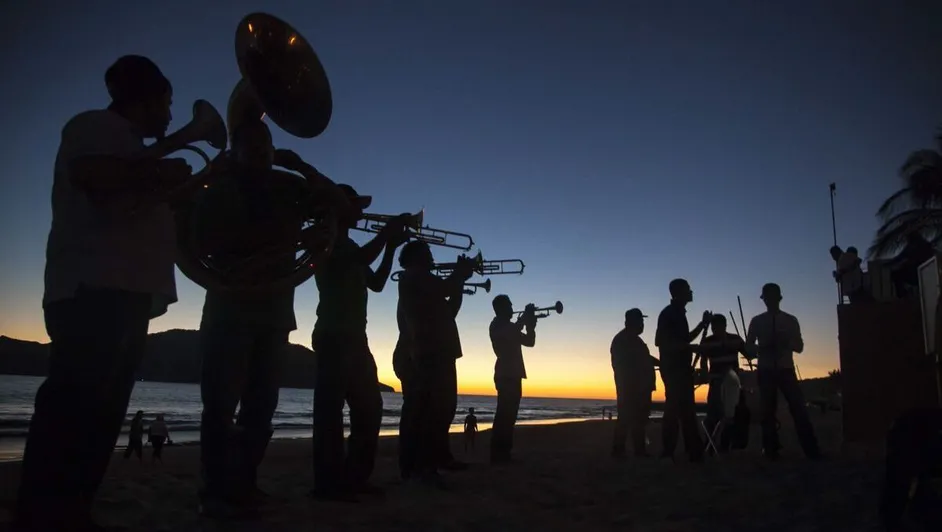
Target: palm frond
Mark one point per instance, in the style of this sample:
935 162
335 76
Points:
893 203
891 237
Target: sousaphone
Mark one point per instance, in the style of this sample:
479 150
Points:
282 78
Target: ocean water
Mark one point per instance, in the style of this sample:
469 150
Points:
180 405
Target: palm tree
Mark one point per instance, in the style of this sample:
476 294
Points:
916 208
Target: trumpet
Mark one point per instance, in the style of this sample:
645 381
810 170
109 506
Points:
374 223
482 267
472 288
543 312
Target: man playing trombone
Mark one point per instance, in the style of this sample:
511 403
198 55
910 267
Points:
243 337
509 370
106 277
429 306
346 370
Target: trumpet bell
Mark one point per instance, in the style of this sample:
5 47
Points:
283 75
558 307
212 128
486 285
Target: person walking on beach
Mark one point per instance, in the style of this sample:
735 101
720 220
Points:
430 305
158 434
470 429
509 371
136 437
673 339
243 337
633 366
346 369
773 337
107 275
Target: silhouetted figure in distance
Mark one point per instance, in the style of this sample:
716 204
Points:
470 429
158 436
136 437
243 337
773 337
633 366
346 369
720 353
509 371
673 339
107 275
430 305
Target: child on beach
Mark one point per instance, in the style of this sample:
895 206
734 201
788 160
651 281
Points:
470 429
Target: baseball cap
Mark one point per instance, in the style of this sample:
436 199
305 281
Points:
635 314
362 202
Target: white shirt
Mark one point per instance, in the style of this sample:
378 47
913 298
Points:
774 337
88 247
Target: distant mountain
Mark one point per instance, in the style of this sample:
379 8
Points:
171 356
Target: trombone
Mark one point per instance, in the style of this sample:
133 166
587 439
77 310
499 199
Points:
543 312
483 267
472 288
374 223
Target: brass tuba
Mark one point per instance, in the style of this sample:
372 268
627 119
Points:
282 78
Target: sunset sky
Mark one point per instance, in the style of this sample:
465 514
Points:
610 145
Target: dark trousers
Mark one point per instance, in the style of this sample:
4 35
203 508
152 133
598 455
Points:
634 409
346 372
157 442
716 412
679 410
436 401
509 392
135 446
241 367
407 419
97 341
771 381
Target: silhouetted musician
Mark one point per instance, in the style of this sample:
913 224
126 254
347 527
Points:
107 275
346 370
509 371
719 353
430 305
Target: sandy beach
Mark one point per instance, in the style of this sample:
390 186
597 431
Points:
565 480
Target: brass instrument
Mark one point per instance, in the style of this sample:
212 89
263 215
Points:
282 78
544 312
482 267
374 223
472 288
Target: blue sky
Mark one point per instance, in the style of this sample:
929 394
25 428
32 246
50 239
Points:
611 146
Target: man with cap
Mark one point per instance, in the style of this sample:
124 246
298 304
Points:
346 369
773 337
107 275
673 339
243 337
634 381
509 371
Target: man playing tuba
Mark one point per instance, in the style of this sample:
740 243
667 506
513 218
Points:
243 337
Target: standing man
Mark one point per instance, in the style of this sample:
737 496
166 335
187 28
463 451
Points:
243 338
430 305
673 339
107 276
720 355
509 371
773 337
405 372
634 381
346 370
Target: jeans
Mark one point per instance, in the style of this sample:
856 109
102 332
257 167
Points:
241 367
97 342
509 392
784 379
679 409
346 372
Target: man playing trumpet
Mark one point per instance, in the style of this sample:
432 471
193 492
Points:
509 370
243 337
346 369
106 277
429 306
